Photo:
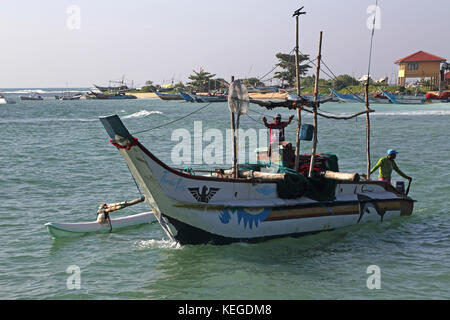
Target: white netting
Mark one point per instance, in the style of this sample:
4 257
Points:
238 100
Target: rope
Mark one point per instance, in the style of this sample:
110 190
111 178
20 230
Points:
128 146
137 186
170 122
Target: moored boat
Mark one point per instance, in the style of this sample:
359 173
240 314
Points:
202 98
169 96
398 99
112 96
32 97
437 97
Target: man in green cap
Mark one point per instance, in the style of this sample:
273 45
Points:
385 166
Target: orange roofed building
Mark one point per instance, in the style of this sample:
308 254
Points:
419 65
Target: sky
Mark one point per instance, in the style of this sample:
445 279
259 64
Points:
78 43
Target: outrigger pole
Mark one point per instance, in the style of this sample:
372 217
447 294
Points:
296 14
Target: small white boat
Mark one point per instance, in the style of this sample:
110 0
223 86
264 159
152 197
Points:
58 230
31 97
5 100
68 97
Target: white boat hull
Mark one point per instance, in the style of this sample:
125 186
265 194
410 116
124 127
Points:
199 209
58 230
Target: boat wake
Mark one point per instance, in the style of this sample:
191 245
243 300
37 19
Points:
141 114
158 244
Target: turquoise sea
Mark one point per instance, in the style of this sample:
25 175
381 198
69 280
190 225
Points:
57 165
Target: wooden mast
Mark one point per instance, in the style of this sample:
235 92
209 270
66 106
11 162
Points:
316 105
297 13
367 129
367 97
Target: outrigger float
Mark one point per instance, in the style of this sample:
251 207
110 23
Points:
104 222
284 194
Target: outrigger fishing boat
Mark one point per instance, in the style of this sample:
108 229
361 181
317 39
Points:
284 194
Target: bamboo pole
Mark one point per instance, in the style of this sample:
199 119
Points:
367 129
299 110
316 105
233 132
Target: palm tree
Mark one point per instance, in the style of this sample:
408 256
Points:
200 81
287 63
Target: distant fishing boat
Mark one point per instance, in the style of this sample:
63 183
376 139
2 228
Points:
398 99
107 89
442 97
169 96
120 87
252 89
32 96
112 96
69 97
383 98
202 98
346 97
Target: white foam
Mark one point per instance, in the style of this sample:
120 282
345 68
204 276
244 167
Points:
141 114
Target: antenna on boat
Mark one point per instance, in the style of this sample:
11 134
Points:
367 95
296 14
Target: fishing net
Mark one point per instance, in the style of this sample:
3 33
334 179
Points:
295 184
238 99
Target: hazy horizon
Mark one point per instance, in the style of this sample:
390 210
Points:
44 46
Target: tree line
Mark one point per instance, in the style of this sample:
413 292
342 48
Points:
203 81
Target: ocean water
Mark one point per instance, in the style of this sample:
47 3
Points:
57 165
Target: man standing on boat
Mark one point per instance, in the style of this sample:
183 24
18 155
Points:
386 165
277 131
